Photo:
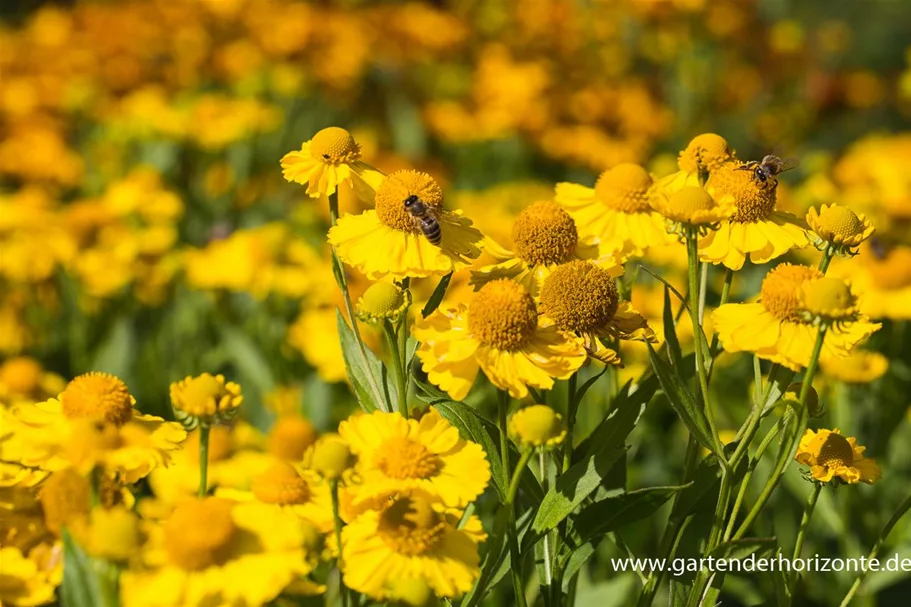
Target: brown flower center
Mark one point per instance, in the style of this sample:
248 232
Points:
411 526
780 290
503 315
391 194
544 233
731 184
835 452
580 296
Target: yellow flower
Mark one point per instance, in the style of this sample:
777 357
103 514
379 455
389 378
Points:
383 301
330 457
883 274
859 367
65 499
537 426
412 537
91 423
681 199
397 454
205 398
23 582
544 236
582 298
782 329
23 379
386 241
328 160
705 153
616 210
839 227
218 552
111 534
755 229
831 456
290 436
827 300
500 334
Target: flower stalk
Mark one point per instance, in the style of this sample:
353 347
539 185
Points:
203 459
511 527
802 532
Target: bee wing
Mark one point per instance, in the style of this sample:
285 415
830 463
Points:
789 163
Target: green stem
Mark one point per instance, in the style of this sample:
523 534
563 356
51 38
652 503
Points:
802 532
571 408
874 552
338 270
398 369
512 531
826 259
786 451
725 294
333 489
203 460
548 573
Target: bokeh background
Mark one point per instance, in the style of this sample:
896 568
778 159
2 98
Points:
146 229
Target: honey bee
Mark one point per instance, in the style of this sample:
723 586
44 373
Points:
769 167
425 219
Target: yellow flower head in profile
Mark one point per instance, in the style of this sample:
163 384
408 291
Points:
500 334
412 537
216 551
782 326
397 454
329 457
704 154
206 398
328 160
537 426
616 210
582 298
839 227
544 235
684 202
92 423
389 240
383 301
859 367
755 229
831 456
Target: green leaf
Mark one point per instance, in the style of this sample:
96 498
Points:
628 406
86 582
670 332
682 400
744 547
494 560
473 427
619 510
702 492
367 373
437 296
574 486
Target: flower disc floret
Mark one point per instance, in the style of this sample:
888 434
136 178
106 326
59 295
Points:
537 426
65 497
398 186
580 296
503 315
544 233
207 397
835 451
827 298
779 292
383 301
199 533
705 152
730 184
402 458
624 188
411 526
281 484
334 145
98 396
839 226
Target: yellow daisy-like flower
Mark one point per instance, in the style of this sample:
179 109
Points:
328 160
705 153
396 454
781 329
290 437
412 537
23 379
839 227
330 457
500 334
387 240
218 552
883 274
681 199
383 301
92 423
582 298
206 398
544 235
831 456
859 367
23 582
827 300
537 426
755 229
616 210
284 485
